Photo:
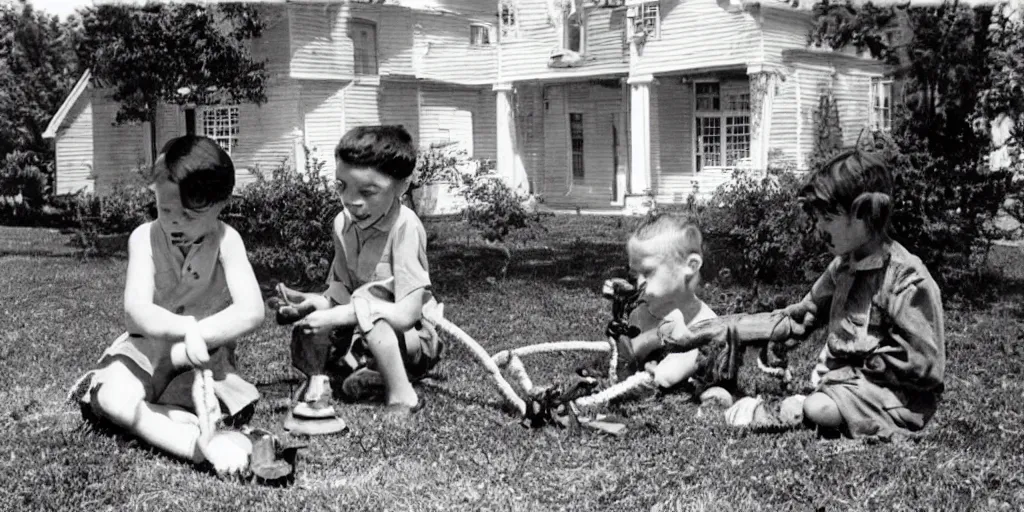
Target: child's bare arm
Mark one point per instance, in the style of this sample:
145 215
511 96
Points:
246 311
145 317
402 315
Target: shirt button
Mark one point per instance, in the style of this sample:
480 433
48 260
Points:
195 275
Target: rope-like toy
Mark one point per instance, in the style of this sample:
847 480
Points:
625 298
207 405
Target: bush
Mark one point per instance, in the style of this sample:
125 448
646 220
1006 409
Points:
24 186
285 218
756 224
494 208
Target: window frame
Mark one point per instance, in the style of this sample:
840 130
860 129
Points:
354 24
508 26
874 110
579 174
581 17
234 125
487 29
648 11
724 110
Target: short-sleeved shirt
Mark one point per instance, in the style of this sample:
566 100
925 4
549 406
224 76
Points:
393 247
887 305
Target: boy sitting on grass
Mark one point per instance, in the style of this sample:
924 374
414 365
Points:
666 255
190 294
378 288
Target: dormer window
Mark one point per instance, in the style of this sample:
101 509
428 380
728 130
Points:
480 34
575 32
509 20
647 20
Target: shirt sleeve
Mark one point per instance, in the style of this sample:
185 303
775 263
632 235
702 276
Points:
822 291
915 309
339 287
409 259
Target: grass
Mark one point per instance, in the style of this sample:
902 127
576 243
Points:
465 451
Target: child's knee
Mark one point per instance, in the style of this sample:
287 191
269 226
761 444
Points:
822 410
117 394
675 368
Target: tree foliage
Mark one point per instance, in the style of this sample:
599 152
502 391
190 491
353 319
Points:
173 53
38 69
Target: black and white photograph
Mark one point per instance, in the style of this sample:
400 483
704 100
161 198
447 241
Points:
512 255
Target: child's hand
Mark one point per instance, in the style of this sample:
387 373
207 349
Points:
192 352
291 305
318 322
674 331
802 312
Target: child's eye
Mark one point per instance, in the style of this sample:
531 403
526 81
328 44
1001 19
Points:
341 186
367 193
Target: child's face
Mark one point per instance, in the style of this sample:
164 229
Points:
368 194
656 265
183 225
843 232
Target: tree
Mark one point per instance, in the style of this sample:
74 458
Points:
172 53
38 68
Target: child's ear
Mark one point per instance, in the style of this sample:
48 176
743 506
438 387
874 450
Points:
693 264
403 186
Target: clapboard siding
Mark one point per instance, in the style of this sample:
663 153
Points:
444 52
399 104
74 149
485 131
323 113
675 170
530 116
319 43
699 34
526 57
394 36
782 145
117 149
361 107
446 115
781 31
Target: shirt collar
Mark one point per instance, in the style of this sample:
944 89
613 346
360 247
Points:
383 225
872 261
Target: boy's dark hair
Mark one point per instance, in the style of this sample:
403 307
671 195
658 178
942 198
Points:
202 170
388 149
855 182
689 238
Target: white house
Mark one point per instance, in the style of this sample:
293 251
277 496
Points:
596 104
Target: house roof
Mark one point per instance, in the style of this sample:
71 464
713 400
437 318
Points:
62 112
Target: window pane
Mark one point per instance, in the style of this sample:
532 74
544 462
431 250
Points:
708 97
364 48
737 139
709 142
221 124
576 134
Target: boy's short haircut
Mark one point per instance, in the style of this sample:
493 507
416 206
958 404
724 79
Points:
854 181
388 149
202 170
688 240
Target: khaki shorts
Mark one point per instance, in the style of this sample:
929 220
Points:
149 361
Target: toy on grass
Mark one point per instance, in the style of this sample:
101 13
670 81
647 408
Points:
553 404
304 419
270 463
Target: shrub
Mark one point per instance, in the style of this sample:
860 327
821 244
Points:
285 218
756 224
24 186
495 208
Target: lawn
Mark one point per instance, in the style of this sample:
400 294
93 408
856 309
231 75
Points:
464 451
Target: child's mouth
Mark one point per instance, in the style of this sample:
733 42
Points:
178 238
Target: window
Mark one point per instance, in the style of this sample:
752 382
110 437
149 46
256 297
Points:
576 135
509 22
881 104
221 125
648 19
480 35
575 32
722 127
364 47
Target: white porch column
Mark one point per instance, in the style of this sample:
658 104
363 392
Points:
762 101
509 162
299 150
640 134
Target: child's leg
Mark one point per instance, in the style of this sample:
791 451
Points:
821 410
119 395
382 341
